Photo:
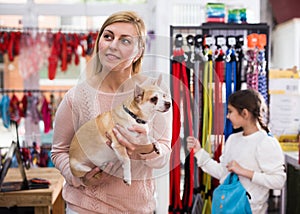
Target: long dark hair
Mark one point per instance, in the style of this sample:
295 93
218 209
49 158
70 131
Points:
253 101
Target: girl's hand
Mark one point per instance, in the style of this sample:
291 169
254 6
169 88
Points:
233 166
193 143
136 145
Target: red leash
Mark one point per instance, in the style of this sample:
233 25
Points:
218 108
179 77
175 201
187 199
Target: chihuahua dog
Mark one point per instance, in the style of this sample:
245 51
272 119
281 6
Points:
89 148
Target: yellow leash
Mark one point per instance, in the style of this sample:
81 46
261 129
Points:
207 125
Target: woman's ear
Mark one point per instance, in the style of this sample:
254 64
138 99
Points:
139 54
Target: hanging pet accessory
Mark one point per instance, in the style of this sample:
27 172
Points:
231 197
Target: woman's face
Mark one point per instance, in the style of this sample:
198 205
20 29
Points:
118 46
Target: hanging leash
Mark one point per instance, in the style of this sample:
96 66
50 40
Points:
262 73
252 63
229 74
188 190
239 61
180 79
175 201
207 122
198 86
218 106
197 117
175 174
204 129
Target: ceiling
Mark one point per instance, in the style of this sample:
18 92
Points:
284 10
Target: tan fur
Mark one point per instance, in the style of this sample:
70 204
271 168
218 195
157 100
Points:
88 147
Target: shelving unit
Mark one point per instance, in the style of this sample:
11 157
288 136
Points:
205 30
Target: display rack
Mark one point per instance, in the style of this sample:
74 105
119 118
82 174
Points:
224 29
203 114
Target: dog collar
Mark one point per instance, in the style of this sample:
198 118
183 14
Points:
138 120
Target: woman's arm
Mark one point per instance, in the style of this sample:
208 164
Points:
63 133
153 147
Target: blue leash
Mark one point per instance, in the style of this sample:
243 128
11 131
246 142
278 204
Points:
230 73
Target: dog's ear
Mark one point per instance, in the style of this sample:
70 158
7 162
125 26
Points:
138 93
159 80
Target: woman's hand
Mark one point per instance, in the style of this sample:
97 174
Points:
193 143
136 145
92 177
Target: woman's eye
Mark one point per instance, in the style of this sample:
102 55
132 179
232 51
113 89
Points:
126 41
107 36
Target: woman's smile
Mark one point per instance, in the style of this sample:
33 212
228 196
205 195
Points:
112 57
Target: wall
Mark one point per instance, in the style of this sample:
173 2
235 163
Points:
286 45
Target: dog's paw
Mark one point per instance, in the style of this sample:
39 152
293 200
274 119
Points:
127 182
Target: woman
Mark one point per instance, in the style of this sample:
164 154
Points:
254 155
111 77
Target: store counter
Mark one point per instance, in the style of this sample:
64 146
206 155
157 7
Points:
291 193
44 201
292 158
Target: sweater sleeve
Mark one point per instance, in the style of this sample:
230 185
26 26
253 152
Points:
63 132
161 134
271 161
210 166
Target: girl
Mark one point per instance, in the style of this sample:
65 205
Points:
252 154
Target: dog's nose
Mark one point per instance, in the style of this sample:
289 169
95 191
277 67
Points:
167 105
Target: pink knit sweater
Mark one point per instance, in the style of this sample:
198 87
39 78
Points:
80 104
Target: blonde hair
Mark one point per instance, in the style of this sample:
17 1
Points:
125 17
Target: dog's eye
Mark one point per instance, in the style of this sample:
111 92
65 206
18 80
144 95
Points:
154 100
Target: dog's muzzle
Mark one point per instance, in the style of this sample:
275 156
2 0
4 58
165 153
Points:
167 106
